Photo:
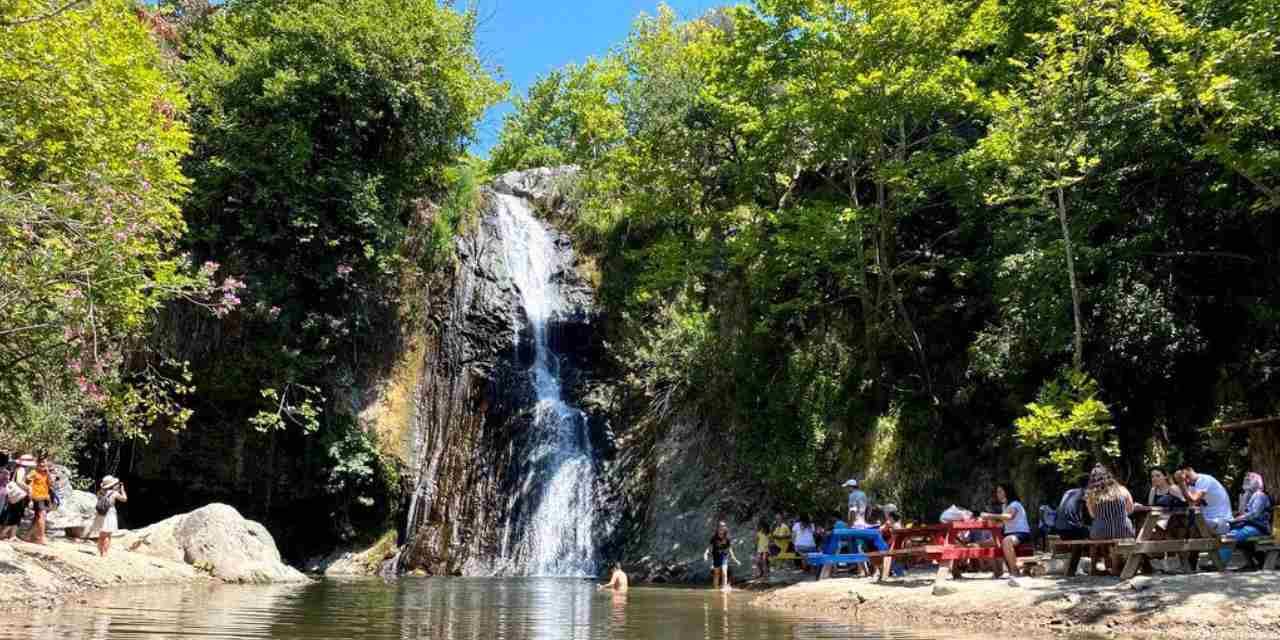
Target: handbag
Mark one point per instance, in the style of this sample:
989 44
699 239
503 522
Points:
14 493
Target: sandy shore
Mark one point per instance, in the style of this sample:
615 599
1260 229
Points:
36 576
1200 605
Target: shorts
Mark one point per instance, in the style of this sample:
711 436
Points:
1019 538
719 560
40 506
13 513
1219 526
806 549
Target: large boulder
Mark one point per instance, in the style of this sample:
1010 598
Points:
75 515
217 539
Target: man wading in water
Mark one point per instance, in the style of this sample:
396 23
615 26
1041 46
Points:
720 551
618 581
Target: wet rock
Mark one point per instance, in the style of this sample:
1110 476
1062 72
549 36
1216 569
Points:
218 539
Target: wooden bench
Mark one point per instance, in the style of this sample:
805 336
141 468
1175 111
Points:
1272 552
1097 549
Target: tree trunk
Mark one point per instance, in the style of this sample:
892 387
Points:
1077 358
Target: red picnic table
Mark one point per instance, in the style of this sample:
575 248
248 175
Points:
942 543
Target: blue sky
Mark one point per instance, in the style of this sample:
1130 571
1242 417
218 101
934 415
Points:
528 38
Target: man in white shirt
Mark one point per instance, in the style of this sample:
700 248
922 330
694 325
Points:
1205 489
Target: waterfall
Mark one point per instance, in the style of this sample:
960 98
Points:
549 520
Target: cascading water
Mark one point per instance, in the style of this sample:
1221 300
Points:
550 534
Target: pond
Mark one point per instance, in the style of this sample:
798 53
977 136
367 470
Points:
428 608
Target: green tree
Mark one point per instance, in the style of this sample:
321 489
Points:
316 124
91 134
1062 123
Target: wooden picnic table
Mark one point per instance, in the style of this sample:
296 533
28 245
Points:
1184 532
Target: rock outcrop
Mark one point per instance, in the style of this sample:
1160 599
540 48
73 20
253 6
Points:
216 539
545 187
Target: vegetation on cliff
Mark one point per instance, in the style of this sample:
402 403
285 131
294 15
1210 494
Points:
874 234
263 159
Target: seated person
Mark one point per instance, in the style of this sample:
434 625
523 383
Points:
1109 504
1017 530
804 536
1254 519
1071 522
781 534
1164 493
1204 489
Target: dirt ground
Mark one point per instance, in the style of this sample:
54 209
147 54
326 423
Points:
1199 605
35 576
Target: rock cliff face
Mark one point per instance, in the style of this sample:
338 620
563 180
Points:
474 399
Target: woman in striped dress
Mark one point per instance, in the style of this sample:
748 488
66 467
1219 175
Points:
1109 504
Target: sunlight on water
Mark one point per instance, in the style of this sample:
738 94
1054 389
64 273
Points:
426 609
556 538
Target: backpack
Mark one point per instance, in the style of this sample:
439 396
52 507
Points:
14 493
105 502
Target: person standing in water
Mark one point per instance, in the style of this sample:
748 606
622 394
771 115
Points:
720 551
618 581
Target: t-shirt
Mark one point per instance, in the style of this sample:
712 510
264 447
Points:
858 503
39 483
1071 511
1217 504
762 542
803 536
1258 512
1018 522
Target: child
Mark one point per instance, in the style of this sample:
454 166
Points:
762 549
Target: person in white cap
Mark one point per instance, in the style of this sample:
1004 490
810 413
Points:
106 522
857 504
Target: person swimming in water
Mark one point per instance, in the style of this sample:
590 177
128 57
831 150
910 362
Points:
618 581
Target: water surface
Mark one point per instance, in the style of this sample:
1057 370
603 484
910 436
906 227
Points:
427 608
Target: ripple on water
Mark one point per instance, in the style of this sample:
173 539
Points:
430 608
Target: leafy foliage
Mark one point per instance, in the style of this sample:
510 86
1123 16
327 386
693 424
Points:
910 221
1070 425
91 134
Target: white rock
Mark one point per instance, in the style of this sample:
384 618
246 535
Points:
218 539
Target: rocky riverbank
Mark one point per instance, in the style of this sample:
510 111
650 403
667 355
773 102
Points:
213 543
1233 605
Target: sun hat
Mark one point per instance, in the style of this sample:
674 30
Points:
851 482
27 460
889 508
109 481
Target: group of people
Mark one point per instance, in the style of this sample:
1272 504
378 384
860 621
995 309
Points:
1100 508
30 485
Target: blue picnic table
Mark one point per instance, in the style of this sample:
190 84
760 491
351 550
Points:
841 547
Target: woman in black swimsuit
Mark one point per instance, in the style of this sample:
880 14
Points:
720 551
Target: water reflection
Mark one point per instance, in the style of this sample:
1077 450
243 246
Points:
425 609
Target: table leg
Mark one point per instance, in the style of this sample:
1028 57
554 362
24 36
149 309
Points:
1218 562
1076 553
1131 565
1190 561
945 570
1273 557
